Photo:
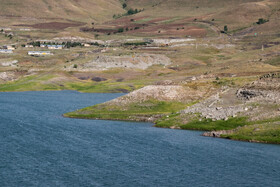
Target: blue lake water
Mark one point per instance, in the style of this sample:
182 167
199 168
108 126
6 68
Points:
38 147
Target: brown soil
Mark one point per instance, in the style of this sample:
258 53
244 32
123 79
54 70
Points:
52 25
152 26
124 20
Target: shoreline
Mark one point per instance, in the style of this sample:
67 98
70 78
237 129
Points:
149 118
204 133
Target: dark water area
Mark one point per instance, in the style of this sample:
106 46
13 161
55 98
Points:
38 147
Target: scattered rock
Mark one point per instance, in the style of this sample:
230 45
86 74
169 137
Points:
120 80
209 109
165 82
247 94
9 63
7 76
266 89
161 93
98 79
217 134
138 61
83 78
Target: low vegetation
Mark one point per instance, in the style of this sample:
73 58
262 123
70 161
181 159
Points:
136 43
196 123
265 133
262 21
45 82
131 112
128 13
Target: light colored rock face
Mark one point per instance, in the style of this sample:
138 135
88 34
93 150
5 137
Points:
7 76
254 95
257 100
218 46
74 39
9 63
266 89
172 41
218 134
161 93
212 108
139 61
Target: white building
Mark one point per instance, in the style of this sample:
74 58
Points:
39 53
9 47
29 46
8 51
25 29
55 46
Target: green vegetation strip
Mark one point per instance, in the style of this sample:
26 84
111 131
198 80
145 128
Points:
44 83
203 125
267 133
128 112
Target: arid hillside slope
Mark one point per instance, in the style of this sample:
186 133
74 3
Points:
65 9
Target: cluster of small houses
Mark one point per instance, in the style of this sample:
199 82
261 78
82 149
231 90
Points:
10 48
7 49
43 53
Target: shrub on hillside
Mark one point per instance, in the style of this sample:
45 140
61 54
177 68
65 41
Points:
261 21
120 30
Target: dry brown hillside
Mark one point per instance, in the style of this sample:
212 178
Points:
199 18
78 10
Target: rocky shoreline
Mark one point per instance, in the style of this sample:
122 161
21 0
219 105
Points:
246 113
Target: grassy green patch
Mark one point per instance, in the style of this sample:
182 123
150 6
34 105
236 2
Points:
141 21
267 133
128 112
203 125
44 82
274 61
104 87
209 125
223 82
30 83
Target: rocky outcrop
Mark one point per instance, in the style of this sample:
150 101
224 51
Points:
215 109
257 100
9 63
160 93
266 89
248 94
7 76
172 41
139 61
217 134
